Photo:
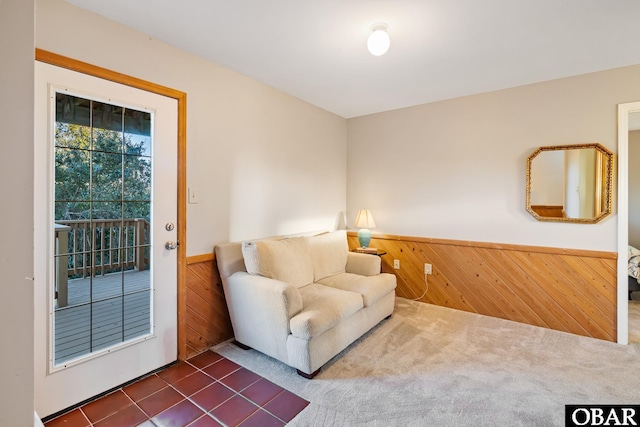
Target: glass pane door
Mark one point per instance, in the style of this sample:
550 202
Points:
102 195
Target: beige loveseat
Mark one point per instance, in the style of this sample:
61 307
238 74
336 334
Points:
302 300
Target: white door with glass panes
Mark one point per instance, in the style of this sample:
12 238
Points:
105 232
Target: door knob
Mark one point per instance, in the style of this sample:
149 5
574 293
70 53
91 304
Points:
171 245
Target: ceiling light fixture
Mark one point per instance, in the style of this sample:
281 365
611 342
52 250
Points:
379 41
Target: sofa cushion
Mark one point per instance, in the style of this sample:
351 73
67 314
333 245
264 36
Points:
229 259
323 308
287 260
328 253
372 288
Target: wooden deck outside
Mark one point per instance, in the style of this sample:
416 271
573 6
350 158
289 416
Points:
102 311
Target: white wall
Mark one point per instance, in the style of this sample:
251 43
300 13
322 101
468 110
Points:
634 188
16 175
264 163
456 169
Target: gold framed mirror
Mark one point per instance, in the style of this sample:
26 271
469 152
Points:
570 183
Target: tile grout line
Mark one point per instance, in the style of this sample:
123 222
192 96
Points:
145 412
155 392
239 393
132 402
215 380
84 415
113 413
236 393
184 396
189 398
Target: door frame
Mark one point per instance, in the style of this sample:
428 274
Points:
181 228
623 217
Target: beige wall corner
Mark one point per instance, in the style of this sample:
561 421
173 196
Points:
16 174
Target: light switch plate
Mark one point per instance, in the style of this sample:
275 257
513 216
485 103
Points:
193 196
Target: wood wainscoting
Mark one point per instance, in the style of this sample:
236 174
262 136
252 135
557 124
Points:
567 290
207 316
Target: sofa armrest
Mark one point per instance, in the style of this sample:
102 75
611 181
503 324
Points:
260 309
363 264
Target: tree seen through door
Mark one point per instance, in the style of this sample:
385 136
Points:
102 213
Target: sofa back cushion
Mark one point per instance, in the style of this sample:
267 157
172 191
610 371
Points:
229 259
328 253
287 260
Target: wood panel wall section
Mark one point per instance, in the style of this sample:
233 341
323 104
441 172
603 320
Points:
207 317
566 290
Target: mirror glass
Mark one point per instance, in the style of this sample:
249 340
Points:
570 183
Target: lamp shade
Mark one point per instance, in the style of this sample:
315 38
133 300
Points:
364 219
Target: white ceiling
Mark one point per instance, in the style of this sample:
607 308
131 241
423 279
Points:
316 49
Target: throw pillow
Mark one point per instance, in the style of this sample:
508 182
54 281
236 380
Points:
287 260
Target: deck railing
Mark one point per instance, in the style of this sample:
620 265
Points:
95 247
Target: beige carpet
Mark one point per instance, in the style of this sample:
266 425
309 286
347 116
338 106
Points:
433 366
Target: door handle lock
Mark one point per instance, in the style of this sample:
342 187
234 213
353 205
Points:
171 245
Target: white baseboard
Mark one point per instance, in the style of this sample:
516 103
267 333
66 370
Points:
36 420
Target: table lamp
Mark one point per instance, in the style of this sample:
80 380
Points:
364 221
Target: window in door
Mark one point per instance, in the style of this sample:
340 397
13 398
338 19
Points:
102 212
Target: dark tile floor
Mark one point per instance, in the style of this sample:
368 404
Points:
206 390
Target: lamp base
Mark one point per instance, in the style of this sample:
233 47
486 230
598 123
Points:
364 237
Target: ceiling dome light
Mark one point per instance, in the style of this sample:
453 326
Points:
379 41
